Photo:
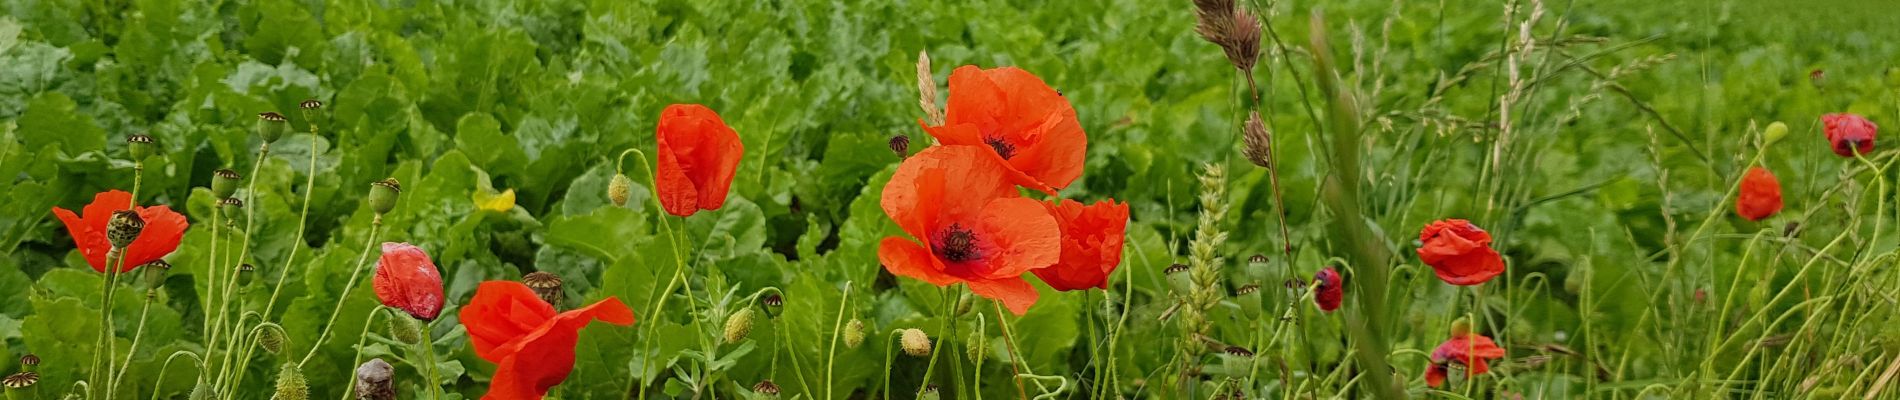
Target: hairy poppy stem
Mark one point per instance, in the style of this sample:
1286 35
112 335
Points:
837 327
224 296
1016 366
427 347
355 272
103 353
137 335
360 339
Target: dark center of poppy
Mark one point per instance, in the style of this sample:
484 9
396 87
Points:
957 244
1003 148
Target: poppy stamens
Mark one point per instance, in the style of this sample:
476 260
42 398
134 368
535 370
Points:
1003 147
958 245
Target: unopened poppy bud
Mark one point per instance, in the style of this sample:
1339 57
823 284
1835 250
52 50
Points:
311 104
547 286
291 385
383 194
140 146
374 380
155 275
915 343
1178 279
975 345
773 304
900 144
22 380
853 333
1773 133
246 274
30 360
224 183
272 126
618 188
738 325
965 303
271 339
123 228
930 393
404 329
766 389
1460 327
231 208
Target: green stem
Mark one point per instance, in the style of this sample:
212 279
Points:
137 335
360 339
837 326
224 304
355 272
101 359
1016 365
428 356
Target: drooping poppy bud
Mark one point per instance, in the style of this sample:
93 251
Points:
976 346
1332 289
271 338
383 194
915 342
1849 133
405 329
375 380
407 280
853 333
738 325
1760 195
618 189
123 228
224 183
1774 133
547 286
291 384
140 146
271 126
773 304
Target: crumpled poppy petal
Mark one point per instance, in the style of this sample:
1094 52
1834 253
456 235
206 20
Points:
1459 253
500 312
406 279
1759 196
533 361
1020 236
908 259
1019 118
1015 293
1092 238
698 157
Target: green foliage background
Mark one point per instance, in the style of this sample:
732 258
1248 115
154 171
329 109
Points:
460 99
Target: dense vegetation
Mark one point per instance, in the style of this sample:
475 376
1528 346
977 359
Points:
1599 142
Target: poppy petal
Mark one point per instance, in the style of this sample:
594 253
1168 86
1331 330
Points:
1020 236
908 259
501 312
85 238
406 279
164 229
698 157
1015 293
1092 238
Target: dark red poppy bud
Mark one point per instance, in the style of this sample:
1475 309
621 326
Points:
1331 291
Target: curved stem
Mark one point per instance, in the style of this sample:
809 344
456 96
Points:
355 273
837 326
1016 365
137 335
224 304
360 338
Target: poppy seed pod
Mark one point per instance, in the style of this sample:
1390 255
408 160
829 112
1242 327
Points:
140 146
915 342
1239 360
1818 78
1249 298
900 144
374 380
30 360
1178 278
383 194
291 384
618 188
22 380
930 393
773 304
123 228
224 183
738 325
245 274
547 286
155 275
1774 133
766 389
311 104
230 208
405 330
272 126
853 333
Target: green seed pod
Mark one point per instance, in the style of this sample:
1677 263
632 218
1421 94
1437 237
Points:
915 343
246 274
738 325
900 145
271 338
1257 268
766 390
140 146
405 329
383 194
230 208
1179 280
311 104
547 286
375 380
853 333
1250 302
123 228
155 276
773 304
1774 133
30 360
22 380
291 385
930 393
272 126
618 188
1238 361
224 183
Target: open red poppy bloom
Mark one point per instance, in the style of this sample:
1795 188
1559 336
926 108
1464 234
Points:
973 226
1469 350
1092 238
1760 195
1459 252
698 155
1849 133
532 346
1024 121
407 280
1332 289
163 229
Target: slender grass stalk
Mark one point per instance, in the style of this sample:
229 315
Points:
837 327
361 338
348 285
1016 364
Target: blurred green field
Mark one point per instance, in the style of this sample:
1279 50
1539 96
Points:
1608 191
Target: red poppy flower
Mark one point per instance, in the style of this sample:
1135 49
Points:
1469 350
1027 123
163 229
973 225
1849 133
1091 244
1459 252
698 156
1332 289
407 280
532 346
1760 196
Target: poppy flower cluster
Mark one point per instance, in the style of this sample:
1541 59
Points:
966 220
163 229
